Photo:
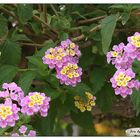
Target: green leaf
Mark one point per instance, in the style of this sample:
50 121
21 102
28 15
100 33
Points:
24 11
125 17
61 23
135 98
63 36
45 125
86 55
83 119
100 74
10 53
25 80
19 37
37 62
53 93
105 98
108 25
36 27
7 73
3 26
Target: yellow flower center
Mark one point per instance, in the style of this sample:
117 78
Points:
114 54
55 54
36 99
70 49
5 111
122 80
136 40
70 70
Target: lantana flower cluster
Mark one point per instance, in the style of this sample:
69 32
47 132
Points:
64 60
14 102
85 105
122 57
23 131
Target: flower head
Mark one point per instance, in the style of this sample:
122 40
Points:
12 91
8 114
121 58
55 57
123 82
69 74
135 40
82 105
35 102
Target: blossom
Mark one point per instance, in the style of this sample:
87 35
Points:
123 82
35 102
135 40
69 74
8 114
85 105
23 132
32 133
135 43
121 57
58 56
55 57
71 48
12 91
23 129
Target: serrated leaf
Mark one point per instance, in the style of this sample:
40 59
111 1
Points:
25 80
86 55
19 37
63 36
105 98
24 11
7 73
37 62
108 25
10 53
97 78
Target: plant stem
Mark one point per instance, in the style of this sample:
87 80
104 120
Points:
91 20
53 8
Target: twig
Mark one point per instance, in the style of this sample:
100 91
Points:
45 12
31 44
53 8
40 20
8 13
82 36
90 20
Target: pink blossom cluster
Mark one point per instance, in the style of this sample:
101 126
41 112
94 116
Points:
35 102
122 57
23 131
64 60
14 102
8 113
